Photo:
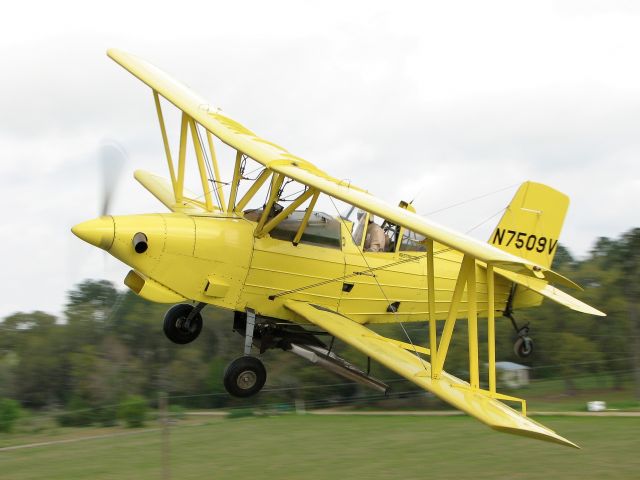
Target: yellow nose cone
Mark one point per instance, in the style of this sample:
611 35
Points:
99 232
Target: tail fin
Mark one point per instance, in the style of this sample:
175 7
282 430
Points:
531 225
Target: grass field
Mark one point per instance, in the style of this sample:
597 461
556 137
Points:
328 447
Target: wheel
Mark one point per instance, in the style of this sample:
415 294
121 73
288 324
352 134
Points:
175 327
523 347
245 376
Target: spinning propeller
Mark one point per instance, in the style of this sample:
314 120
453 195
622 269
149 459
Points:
111 158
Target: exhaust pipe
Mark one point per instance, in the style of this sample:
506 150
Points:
331 362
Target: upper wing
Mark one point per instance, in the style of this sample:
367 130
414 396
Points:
454 391
412 221
278 159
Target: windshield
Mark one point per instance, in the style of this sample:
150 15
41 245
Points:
322 230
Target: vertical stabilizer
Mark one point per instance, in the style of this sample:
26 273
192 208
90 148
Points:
530 227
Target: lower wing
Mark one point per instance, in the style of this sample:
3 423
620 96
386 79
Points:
395 356
164 191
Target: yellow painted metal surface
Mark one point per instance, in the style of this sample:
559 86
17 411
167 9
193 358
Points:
163 191
543 288
186 254
216 286
491 328
531 224
454 391
150 289
216 173
278 266
165 140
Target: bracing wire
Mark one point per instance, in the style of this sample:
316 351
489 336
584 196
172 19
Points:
469 200
207 162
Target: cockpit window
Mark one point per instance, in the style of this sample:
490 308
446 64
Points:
412 242
360 224
322 230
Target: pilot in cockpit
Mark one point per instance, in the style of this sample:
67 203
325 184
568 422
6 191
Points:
375 238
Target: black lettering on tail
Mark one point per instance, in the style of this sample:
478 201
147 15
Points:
499 235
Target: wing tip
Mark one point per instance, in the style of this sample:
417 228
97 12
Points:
588 309
113 52
547 436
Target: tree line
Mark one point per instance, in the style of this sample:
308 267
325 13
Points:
108 345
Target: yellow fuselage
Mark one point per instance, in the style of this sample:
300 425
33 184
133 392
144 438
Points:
216 259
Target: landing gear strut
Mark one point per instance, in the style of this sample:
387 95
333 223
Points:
183 323
246 375
523 346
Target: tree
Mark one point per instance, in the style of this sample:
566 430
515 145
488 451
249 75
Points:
625 254
90 311
9 412
133 411
40 374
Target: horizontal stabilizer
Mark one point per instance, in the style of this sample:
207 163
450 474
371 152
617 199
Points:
452 390
550 292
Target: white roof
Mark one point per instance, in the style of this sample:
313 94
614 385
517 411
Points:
510 366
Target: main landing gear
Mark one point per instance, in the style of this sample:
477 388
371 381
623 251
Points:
246 375
243 377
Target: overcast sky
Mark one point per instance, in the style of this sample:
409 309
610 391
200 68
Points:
445 101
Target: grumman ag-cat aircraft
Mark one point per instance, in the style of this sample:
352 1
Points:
297 278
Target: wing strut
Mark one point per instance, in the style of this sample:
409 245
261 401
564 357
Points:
177 179
216 171
466 282
305 219
271 224
165 140
491 328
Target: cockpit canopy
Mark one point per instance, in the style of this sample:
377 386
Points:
323 230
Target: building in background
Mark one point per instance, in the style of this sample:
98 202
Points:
512 375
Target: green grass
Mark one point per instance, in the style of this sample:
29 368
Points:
324 447
550 394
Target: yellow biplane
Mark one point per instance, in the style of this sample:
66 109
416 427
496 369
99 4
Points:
283 266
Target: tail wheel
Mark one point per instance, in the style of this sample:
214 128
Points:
244 377
523 347
178 327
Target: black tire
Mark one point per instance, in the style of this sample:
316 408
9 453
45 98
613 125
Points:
523 347
244 377
174 327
